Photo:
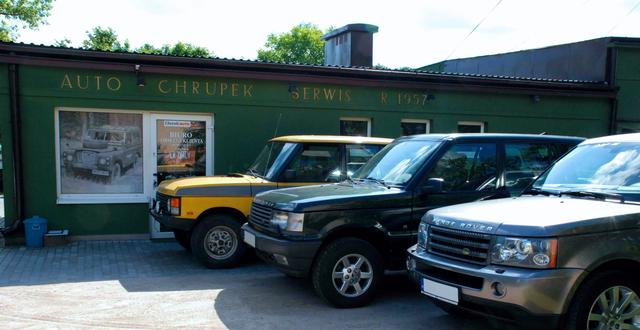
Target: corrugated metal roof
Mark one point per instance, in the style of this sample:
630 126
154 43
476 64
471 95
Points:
310 66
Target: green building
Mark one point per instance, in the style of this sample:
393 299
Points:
61 101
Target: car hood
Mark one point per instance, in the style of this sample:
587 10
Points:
219 185
538 216
331 197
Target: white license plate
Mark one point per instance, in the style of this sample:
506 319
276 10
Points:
99 172
440 291
250 238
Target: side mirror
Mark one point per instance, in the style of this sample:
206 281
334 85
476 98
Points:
433 186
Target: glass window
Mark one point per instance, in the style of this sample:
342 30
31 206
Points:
607 167
414 126
467 167
181 148
470 127
314 163
524 162
98 154
355 126
358 155
397 163
271 158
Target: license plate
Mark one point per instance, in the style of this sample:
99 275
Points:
440 291
99 172
250 238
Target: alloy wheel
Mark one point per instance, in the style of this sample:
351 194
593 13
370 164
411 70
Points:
221 242
615 308
352 275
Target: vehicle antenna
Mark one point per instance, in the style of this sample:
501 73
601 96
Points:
275 133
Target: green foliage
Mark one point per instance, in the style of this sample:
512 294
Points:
107 40
15 14
301 45
62 43
104 39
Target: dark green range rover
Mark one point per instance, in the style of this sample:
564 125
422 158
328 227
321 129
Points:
345 235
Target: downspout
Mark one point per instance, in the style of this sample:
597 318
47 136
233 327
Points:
17 147
612 57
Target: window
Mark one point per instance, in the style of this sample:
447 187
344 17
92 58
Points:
99 156
414 126
470 127
358 155
467 167
524 162
314 163
355 126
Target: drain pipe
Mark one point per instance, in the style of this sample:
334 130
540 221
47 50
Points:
17 147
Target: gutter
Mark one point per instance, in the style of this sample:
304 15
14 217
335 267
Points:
17 148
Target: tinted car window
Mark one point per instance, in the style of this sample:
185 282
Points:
466 167
314 163
358 155
524 162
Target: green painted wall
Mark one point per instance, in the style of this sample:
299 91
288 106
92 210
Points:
628 80
246 115
7 148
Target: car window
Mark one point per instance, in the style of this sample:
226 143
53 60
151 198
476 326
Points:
467 167
314 163
524 162
358 155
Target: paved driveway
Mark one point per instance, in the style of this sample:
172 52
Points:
142 284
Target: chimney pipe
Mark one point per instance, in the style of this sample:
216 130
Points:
350 45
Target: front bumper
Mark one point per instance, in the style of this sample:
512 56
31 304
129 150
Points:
173 222
291 257
532 297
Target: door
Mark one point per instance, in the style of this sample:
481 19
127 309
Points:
181 147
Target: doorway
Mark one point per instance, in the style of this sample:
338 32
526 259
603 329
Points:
181 146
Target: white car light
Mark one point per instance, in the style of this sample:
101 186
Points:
288 221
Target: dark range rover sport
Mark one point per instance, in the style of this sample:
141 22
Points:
345 235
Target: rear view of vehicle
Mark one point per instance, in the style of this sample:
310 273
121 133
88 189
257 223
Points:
566 253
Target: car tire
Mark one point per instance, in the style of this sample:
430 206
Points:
594 292
216 242
183 238
338 274
116 171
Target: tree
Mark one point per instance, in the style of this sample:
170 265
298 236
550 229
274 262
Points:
104 39
300 45
178 49
17 14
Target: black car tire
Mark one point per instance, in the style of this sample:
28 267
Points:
329 259
216 241
183 238
586 297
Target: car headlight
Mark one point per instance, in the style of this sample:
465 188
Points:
423 234
525 252
174 206
288 221
70 158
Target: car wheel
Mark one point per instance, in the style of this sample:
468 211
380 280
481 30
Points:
116 170
608 300
183 238
347 272
216 243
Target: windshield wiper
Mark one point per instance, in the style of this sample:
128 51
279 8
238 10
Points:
593 194
538 191
378 181
253 173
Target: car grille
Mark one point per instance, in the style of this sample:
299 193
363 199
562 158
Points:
163 200
87 157
260 216
459 244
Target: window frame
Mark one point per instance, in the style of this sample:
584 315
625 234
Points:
365 119
473 123
124 198
426 122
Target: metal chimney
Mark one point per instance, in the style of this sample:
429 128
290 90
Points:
350 45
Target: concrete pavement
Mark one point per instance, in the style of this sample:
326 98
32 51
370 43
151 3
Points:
143 284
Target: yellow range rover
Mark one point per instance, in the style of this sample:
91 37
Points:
206 213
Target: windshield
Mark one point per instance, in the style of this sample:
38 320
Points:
111 137
271 158
604 167
397 163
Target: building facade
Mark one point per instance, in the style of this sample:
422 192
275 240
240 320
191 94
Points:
72 118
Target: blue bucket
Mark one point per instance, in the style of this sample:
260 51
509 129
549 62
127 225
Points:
34 230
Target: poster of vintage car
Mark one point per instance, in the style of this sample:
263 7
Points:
181 148
101 152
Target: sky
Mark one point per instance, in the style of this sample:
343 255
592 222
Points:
412 33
